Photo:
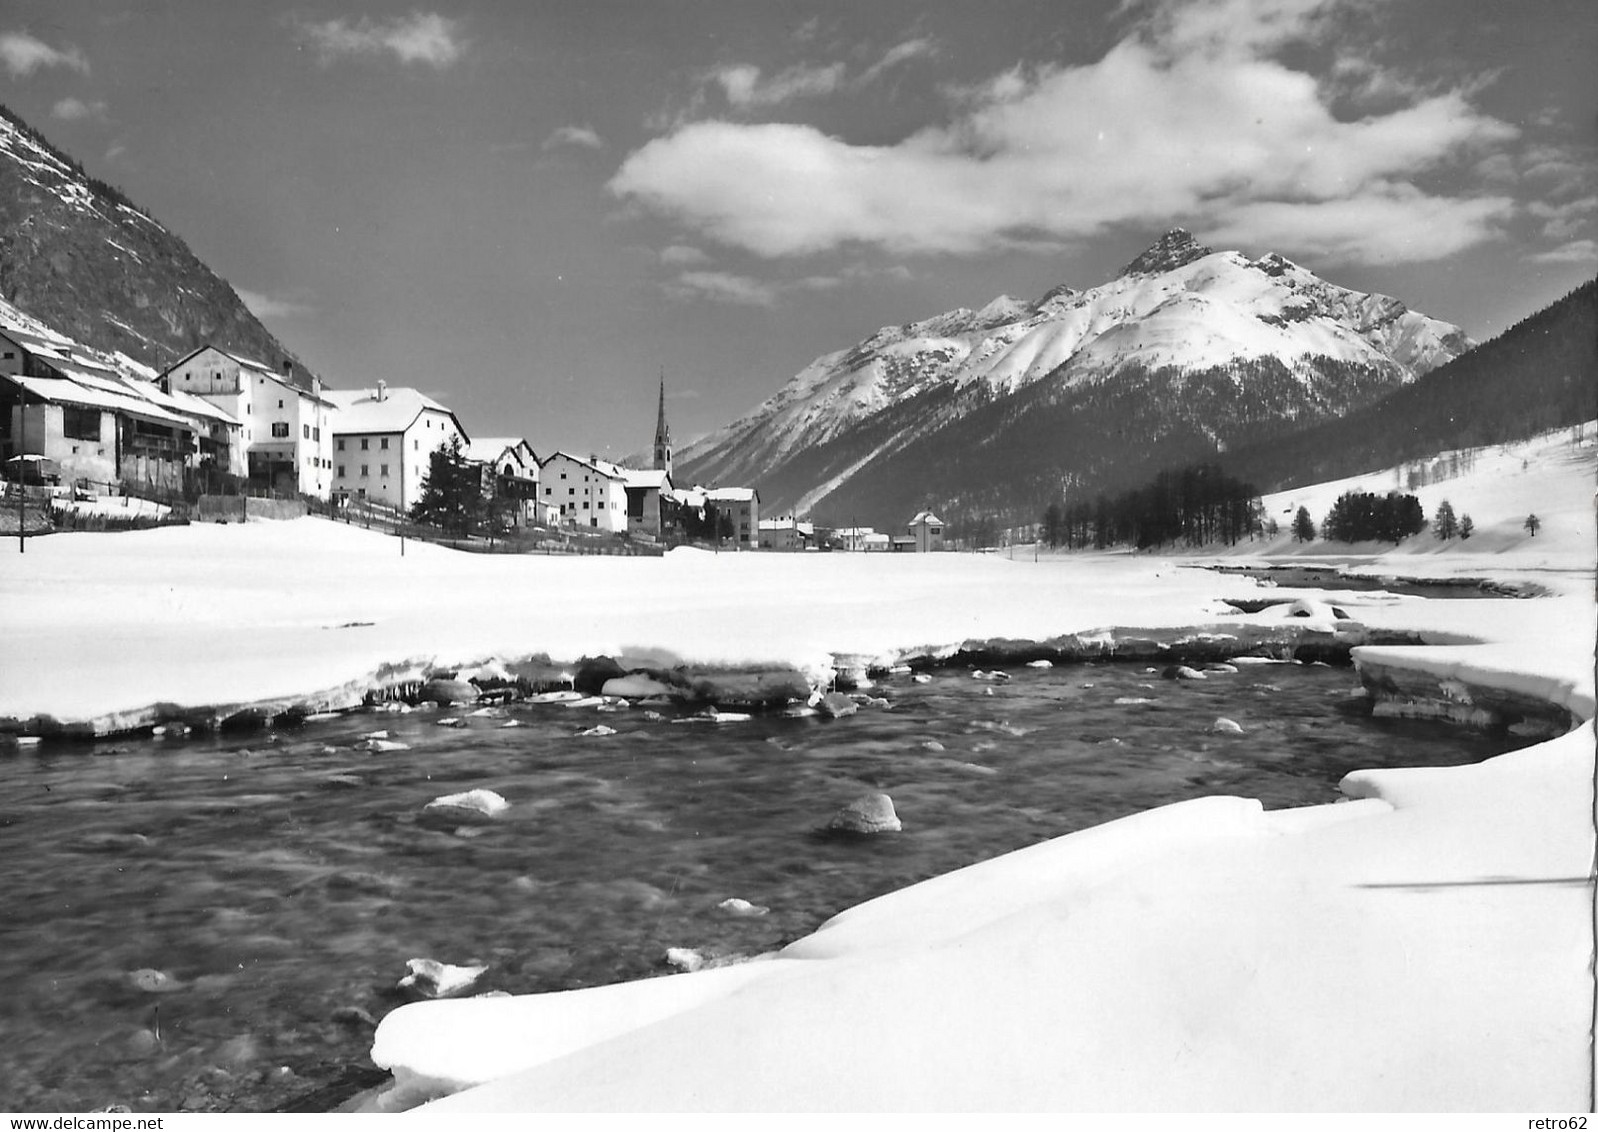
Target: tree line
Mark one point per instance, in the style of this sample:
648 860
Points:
1196 505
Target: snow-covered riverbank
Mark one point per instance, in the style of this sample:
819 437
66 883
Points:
1427 945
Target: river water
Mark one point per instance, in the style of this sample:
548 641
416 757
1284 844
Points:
206 923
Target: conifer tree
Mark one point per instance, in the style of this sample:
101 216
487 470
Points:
1303 526
1444 525
1466 527
1533 525
452 491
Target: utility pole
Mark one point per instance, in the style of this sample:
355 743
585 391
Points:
22 495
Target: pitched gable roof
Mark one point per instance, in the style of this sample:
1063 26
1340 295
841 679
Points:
359 410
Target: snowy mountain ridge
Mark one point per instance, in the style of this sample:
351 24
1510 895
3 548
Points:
76 254
1177 306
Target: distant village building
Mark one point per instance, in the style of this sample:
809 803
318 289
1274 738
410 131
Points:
859 538
383 442
648 493
588 493
287 436
741 506
926 532
510 477
97 426
786 533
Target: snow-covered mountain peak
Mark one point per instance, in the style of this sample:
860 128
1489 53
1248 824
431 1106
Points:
1176 248
1179 309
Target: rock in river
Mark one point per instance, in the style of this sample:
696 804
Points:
836 705
869 813
432 979
485 803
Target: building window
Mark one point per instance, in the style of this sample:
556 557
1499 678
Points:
80 424
341 445
316 433
341 471
585 505
366 470
384 471
307 430
280 402
383 444
280 429
365 444
549 491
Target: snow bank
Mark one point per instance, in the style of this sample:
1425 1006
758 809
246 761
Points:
1424 948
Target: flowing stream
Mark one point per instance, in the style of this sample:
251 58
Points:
209 923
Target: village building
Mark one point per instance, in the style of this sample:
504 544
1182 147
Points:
587 493
383 443
287 434
926 531
786 533
648 495
95 426
510 478
858 538
740 507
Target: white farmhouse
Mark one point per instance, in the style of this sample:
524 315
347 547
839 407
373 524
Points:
589 493
926 532
511 474
287 439
383 442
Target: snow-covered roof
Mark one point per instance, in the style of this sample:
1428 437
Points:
732 495
594 464
925 517
360 410
259 368
64 392
488 449
647 477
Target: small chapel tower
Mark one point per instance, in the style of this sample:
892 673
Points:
662 432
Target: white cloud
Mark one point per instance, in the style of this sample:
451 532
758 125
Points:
1577 251
1189 119
75 109
681 255
1562 221
723 287
578 137
421 37
266 306
24 54
745 88
899 53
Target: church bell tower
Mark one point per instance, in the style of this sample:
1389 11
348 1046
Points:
662 432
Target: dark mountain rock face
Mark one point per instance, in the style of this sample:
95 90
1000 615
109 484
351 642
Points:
1177 248
76 254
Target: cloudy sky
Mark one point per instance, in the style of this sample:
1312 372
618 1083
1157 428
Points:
530 208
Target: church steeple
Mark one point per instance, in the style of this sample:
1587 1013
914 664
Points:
662 431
